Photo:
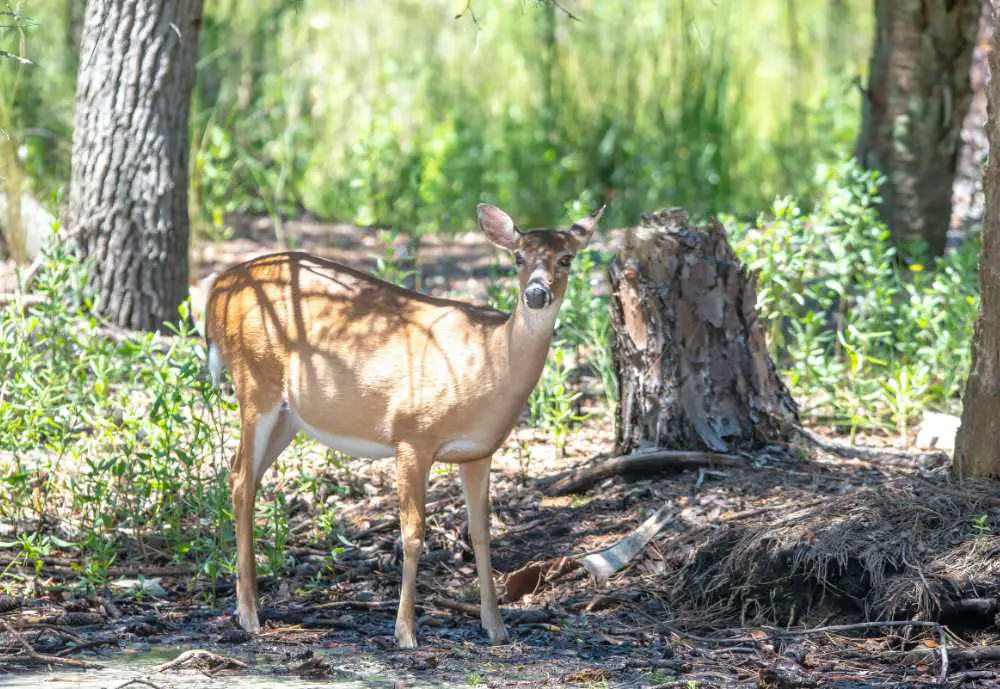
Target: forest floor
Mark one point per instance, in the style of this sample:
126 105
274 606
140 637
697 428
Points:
797 566
653 624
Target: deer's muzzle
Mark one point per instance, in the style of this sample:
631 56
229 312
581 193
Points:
537 296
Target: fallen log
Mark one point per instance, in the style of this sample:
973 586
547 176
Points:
983 654
638 463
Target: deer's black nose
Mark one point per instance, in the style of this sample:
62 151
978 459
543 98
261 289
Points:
537 296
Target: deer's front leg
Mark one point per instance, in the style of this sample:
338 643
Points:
411 477
476 485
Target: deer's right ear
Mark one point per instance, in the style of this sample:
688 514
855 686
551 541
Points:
498 226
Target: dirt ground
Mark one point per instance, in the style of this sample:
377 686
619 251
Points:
682 613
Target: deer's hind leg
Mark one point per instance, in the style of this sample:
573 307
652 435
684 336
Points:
263 437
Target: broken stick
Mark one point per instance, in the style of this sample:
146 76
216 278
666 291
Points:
609 561
43 658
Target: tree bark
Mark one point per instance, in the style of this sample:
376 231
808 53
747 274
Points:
690 354
918 94
129 185
976 451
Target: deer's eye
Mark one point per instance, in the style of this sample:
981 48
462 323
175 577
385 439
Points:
565 261
519 258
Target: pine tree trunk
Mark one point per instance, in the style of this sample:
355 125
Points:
918 94
129 186
690 354
976 453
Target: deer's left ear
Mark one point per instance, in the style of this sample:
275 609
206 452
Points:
582 230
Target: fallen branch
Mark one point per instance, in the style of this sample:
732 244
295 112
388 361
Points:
857 626
772 633
470 609
646 462
943 647
607 562
958 677
355 605
42 658
984 654
87 645
197 655
144 682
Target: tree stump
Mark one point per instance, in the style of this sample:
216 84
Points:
690 353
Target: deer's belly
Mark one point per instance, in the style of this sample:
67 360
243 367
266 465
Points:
465 449
354 447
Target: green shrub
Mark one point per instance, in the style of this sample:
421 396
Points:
864 337
120 438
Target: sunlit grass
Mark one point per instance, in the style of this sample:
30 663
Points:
400 114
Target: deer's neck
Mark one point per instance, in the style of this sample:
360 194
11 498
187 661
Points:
526 337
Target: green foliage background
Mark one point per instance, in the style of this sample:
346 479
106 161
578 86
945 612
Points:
398 113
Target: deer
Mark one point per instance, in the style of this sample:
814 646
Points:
378 371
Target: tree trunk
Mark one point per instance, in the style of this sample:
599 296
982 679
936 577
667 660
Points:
918 94
129 186
75 13
976 452
690 353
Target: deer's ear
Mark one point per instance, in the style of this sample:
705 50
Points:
498 226
582 230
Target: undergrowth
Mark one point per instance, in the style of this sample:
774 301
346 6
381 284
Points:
112 442
865 338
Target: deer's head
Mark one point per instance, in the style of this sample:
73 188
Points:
543 257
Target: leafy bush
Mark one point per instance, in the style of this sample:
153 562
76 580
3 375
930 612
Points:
865 338
118 438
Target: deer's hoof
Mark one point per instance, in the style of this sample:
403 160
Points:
249 621
406 637
498 634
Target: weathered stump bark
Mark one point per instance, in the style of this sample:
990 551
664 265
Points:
690 354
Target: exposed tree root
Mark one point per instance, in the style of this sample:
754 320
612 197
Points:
638 463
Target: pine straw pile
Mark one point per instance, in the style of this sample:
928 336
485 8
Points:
909 549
